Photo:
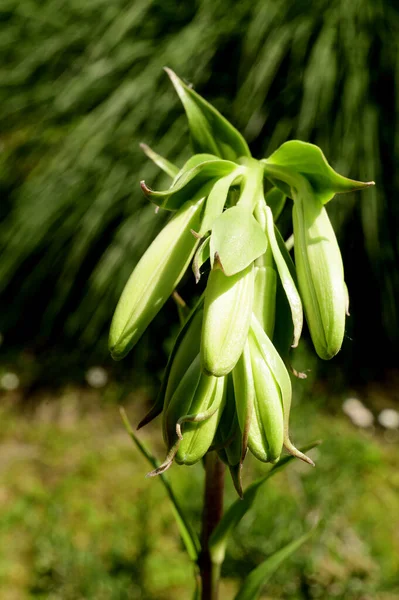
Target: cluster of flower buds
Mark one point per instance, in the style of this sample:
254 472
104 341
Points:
227 386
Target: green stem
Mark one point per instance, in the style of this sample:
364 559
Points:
212 513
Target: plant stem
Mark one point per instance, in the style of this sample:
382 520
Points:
212 513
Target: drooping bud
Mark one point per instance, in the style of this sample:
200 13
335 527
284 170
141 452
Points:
266 433
320 274
227 315
193 414
154 278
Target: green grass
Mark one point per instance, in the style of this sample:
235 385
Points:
78 518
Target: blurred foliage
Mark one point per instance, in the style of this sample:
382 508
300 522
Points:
80 520
81 84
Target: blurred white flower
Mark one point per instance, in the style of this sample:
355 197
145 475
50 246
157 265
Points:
97 377
389 418
357 412
9 382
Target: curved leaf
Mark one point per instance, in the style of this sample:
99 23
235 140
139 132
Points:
210 131
308 160
191 185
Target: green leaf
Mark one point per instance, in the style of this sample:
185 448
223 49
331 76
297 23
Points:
192 162
166 166
239 508
275 199
308 160
237 239
216 200
192 184
210 131
287 275
189 537
255 581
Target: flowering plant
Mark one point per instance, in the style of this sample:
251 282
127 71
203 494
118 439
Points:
227 388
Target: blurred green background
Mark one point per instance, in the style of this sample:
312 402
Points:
81 85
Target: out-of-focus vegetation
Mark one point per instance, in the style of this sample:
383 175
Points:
79 519
81 84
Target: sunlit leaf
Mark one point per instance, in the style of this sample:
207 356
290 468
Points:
308 160
193 184
237 239
210 131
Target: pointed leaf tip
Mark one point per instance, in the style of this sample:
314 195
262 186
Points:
210 130
309 161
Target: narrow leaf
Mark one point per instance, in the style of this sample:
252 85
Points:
193 184
308 160
189 537
237 239
239 508
285 270
166 166
255 581
210 131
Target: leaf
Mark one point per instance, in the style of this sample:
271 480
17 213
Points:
308 160
287 276
237 239
216 200
254 582
166 166
239 508
189 537
210 131
192 184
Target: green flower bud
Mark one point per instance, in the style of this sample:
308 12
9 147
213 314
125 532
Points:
227 316
155 277
320 274
193 414
266 432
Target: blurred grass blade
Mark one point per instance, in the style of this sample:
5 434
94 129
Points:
239 508
190 538
253 584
